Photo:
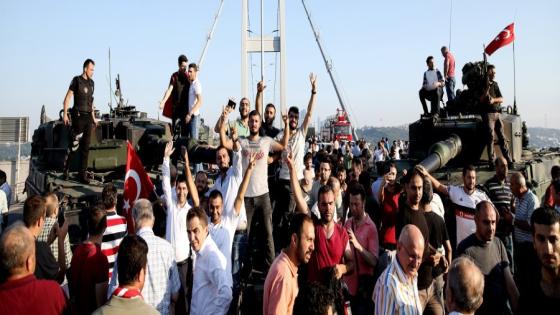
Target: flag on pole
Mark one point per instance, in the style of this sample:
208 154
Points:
506 36
137 184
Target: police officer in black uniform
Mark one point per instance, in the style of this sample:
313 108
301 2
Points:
83 117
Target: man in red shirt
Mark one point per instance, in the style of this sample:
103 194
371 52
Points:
90 268
449 73
20 291
332 246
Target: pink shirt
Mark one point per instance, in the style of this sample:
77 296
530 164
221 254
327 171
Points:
280 287
366 233
451 70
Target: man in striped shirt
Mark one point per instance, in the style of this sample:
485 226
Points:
116 226
499 191
524 254
396 291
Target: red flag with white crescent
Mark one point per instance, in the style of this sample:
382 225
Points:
137 184
506 36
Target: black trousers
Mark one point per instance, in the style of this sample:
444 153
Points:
434 96
259 227
82 123
283 209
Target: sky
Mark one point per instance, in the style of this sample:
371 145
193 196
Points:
377 48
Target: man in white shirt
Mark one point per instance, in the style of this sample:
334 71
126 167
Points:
296 145
257 200
432 87
463 200
211 292
5 187
177 209
227 183
195 102
224 223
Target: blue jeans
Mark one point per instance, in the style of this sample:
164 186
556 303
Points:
450 88
192 132
237 255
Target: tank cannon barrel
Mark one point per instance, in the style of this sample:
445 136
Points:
441 152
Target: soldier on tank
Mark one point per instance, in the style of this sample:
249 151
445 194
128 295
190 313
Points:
491 100
82 117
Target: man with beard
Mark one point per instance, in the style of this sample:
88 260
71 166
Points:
281 286
490 103
257 200
201 183
223 223
227 183
178 89
411 212
325 169
463 200
269 114
543 294
332 244
489 255
241 124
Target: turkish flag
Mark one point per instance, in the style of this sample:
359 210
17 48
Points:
506 36
168 108
137 184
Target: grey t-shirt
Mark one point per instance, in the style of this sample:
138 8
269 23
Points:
258 185
492 260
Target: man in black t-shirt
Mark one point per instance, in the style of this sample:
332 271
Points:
490 106
178 90
83 117
489 255
543 295
410 212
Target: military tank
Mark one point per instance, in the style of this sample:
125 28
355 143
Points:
444 144
107 156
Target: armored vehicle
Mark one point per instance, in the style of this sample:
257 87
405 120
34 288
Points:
446 143
107 156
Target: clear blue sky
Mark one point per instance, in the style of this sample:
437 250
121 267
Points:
378 50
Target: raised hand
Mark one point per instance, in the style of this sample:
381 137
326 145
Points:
313 80
185 155
260 86
285 118
252 160
421 169
169 149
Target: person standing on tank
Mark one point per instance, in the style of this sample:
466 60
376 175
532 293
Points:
82 117
491 101
178 89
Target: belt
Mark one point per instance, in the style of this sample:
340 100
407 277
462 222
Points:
180 263
238 232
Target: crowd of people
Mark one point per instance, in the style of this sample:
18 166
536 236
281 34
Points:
312 226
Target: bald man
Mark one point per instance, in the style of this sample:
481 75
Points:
21 292
489 254
465 286
396 291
